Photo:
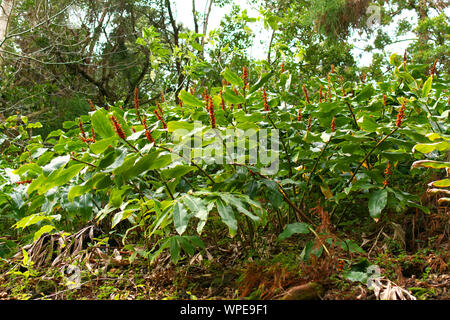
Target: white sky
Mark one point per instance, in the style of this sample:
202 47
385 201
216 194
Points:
260 45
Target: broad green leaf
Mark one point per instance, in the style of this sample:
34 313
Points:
377 202
430 164
180 125
430 147
180 217
232 78
120 216
100 146
294 228
175 250
56 164
367 124
42 230
356 276
67 174
444 183
227 215
231 97
199 209
177 172
427 87
30 220
190 100
262 80
366 93
102 124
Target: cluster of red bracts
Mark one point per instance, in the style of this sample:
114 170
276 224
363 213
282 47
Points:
118 128
433 68
84 138
387 173
333 124
245 79
266 104
340 265
91 105
401 115
306 94
160 118
24 182
148 135
384 100
211 113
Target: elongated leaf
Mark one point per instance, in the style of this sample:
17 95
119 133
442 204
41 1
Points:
430 164
427 87
100 146
377 202
230 97
180 217
294 228
232 78
102 124
444 183
190 100
429 147
227 215
264 78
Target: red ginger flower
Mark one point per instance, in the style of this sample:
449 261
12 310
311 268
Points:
244 78
160 119
80 124
433 68
309 123
148 135
222 101
333 124
24 182
282 67
266 104
211 113
163 99
136 98
384 100
118 128
332 68
387 173
159 108
299 117
401 115
91 105
306 93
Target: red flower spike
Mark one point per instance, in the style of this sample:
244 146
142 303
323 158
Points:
222 102
211 113
118 128
93 135
433 68
159 108
266 104
299 117
333 124
136 98
401 115
91 105
309 123
160 119
80 124
244 78
306 94
282 67
24 182
384 100
332 68
163 99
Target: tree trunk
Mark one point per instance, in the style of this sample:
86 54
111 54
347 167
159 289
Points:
5 12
